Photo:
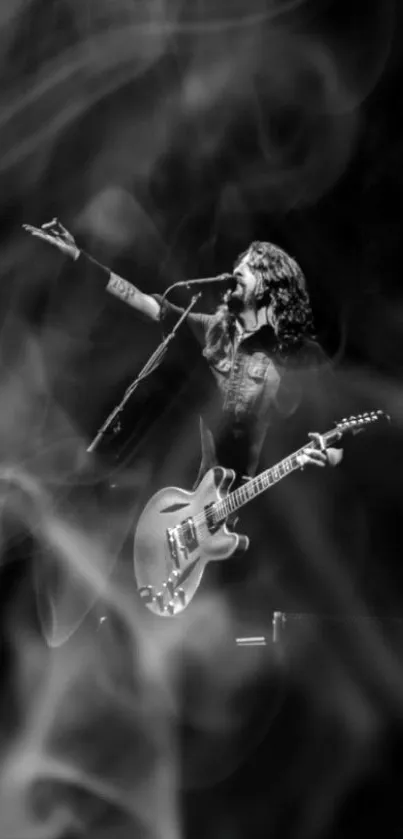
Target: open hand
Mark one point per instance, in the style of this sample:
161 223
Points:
318 454
55 234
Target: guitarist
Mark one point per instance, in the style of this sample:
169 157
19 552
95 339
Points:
256 343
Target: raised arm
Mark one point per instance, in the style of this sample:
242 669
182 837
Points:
131 295
56 235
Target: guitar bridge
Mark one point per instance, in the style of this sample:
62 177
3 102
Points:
189 534
181 540
174 545
212 525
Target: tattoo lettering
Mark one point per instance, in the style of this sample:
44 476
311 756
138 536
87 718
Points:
123 289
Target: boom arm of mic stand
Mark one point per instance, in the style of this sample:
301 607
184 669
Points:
150 365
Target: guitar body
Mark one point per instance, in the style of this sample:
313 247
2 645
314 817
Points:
174 541
179 532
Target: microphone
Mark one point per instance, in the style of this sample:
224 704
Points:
221 278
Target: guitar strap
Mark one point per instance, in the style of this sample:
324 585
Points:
208 452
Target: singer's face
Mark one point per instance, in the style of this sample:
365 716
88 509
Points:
244 291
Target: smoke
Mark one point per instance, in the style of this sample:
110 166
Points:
110 717
156 130
172 88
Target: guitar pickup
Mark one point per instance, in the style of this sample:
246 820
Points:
189 534
181 540
177 547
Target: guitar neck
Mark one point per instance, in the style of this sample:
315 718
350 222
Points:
256 486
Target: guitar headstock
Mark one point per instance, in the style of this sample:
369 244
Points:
359 422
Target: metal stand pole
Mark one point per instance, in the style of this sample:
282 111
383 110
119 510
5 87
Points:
153 362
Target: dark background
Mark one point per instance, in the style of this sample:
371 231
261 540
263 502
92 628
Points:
167 136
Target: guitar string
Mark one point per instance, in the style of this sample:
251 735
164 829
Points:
200 518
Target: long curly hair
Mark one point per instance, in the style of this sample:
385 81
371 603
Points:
281 285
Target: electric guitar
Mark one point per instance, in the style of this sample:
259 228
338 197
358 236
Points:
179 532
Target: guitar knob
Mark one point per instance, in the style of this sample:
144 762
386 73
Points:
171 607
147 593
180 594
160 601
168 587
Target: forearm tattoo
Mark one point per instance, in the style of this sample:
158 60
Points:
123 289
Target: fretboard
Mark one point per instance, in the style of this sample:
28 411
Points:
240 496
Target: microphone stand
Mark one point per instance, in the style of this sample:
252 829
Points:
153 362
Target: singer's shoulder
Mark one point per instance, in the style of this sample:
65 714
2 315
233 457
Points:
312 357
314 352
